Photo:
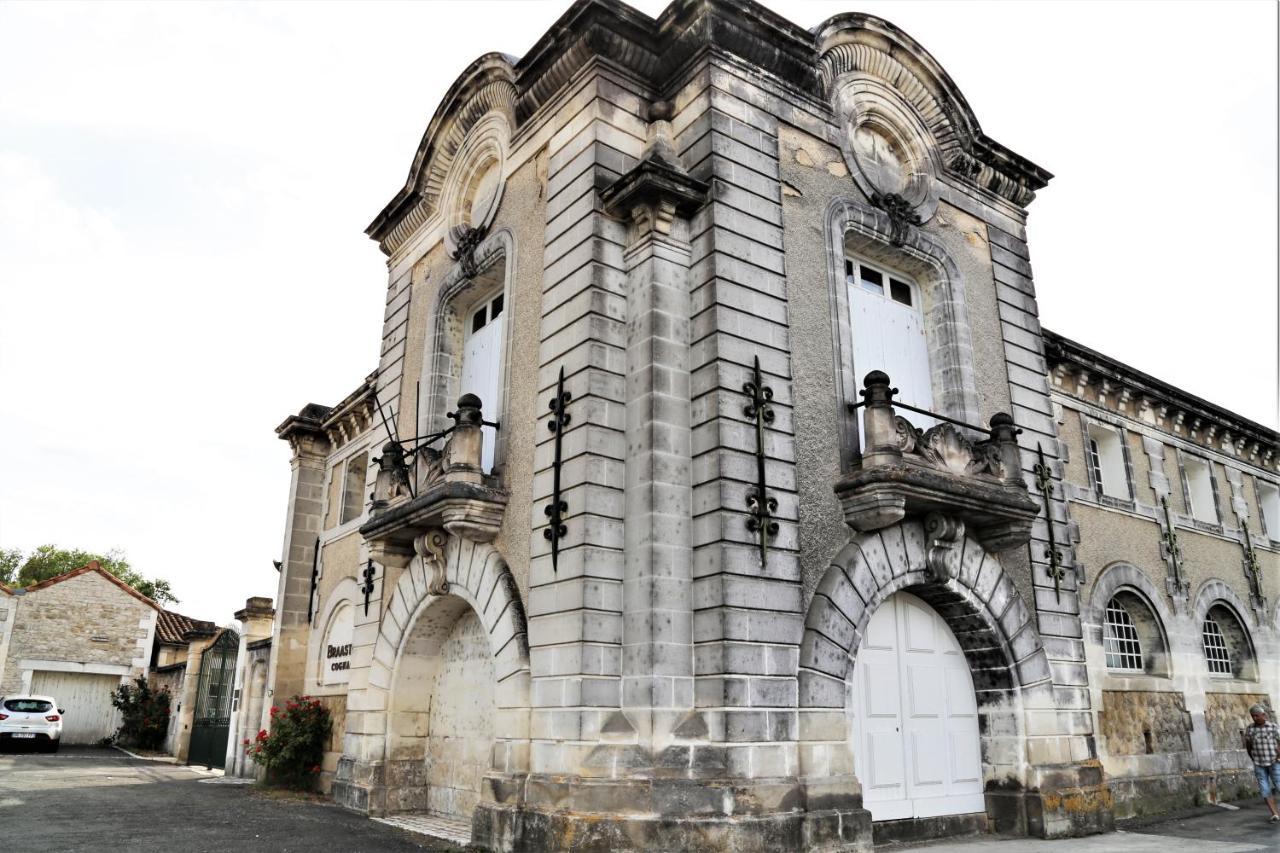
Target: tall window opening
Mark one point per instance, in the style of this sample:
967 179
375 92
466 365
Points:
482 365
1106 461
1269 503
1201 499
886 323
353 484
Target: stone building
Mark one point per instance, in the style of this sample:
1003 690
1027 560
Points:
77 637
1174 510
714 490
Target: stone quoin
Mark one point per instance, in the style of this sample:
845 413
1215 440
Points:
718 489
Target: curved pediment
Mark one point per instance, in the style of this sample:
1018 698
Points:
871 70
485 93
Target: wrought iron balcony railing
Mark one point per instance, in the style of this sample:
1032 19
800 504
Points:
422 494
940 473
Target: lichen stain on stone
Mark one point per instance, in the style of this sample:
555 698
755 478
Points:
803 157
789 190
838 169
973 238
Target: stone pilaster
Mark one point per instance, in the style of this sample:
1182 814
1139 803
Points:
303 523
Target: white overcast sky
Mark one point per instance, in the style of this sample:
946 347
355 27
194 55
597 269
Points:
184 189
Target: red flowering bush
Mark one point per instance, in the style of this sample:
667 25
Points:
144 714
294 748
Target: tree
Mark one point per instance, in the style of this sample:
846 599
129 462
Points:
49 561
10 560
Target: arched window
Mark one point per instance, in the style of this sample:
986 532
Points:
1132 640
1120 639
1227 650
1216 652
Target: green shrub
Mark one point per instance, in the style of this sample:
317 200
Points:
294 748
144 714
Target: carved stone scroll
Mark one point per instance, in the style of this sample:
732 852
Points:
430 547
946 536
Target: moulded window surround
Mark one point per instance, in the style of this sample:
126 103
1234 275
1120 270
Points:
936 289
465 308
1201 490
1269 506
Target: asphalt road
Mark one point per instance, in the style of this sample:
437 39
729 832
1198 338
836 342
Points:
85 799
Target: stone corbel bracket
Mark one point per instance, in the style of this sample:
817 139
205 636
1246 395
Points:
470 510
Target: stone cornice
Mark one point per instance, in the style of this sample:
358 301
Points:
329 427
657 51
1077 370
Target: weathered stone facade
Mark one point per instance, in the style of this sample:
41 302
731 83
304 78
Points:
1172 731
620 599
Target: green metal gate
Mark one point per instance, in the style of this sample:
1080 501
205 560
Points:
212 719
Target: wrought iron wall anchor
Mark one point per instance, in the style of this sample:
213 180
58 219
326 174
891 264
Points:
1044 482
315 578
759 504
1252 568
556 528
1170 538
367 589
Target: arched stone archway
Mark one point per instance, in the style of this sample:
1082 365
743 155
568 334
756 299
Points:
425 637
983 609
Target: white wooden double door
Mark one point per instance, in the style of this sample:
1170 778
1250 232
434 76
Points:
914 717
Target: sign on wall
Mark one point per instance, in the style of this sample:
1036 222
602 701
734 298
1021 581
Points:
335 651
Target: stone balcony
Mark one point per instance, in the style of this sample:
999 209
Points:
940 473
421 494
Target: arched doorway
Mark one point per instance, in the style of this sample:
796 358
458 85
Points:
443 709
913 716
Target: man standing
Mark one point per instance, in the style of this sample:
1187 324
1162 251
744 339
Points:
1262 742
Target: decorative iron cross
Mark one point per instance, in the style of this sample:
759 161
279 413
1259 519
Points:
1044 482
555 510
367 589
759 504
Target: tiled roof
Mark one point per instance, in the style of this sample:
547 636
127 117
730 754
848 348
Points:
172 628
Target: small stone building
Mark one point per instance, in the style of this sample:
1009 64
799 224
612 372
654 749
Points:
718 487
76 637
176 635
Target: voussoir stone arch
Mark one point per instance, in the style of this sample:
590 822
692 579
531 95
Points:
1118 576
979 603
478 575
1214 591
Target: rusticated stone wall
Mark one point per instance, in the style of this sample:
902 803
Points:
1227 713
1139 722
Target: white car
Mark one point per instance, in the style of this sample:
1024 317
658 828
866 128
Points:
31 719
